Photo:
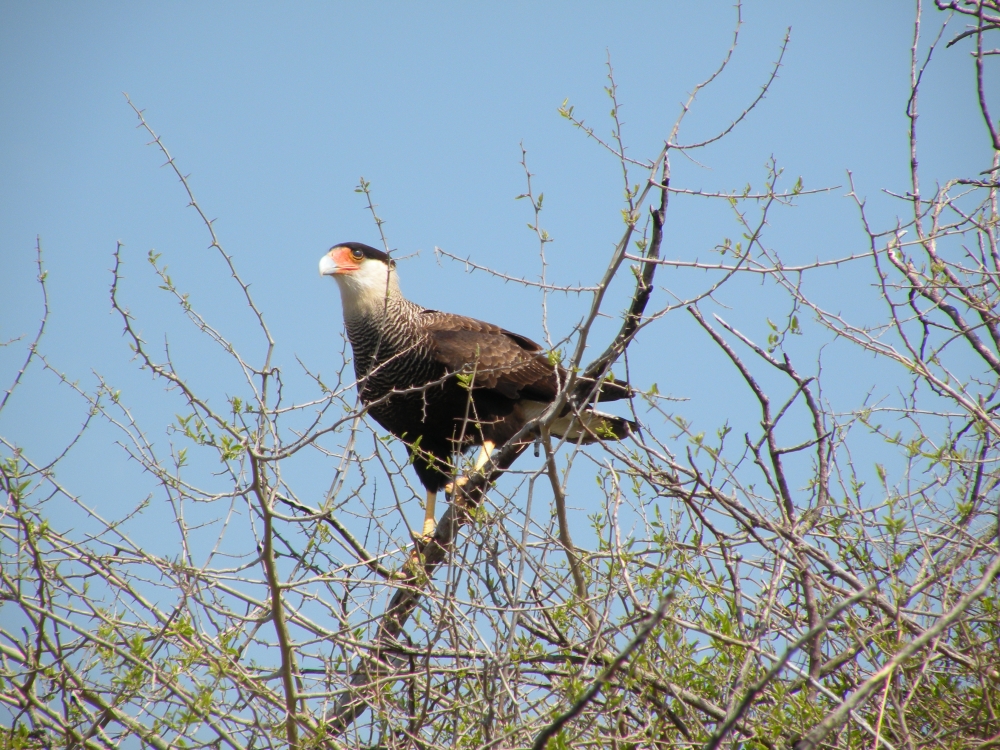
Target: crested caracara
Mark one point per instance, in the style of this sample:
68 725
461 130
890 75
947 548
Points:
443 383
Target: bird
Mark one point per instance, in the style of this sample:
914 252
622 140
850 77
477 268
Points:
444 383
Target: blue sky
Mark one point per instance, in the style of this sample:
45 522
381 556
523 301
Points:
276 110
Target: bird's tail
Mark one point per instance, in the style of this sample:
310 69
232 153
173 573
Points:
590 426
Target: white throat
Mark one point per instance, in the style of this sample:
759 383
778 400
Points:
364 292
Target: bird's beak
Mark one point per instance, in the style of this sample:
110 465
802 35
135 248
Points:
337 261
327 266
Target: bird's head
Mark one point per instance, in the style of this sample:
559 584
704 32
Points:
365 276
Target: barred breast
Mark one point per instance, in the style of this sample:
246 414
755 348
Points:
391 351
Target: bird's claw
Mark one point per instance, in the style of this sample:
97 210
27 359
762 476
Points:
430 526
425 537
460 482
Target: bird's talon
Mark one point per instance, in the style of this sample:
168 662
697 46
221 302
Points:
450 487
421 540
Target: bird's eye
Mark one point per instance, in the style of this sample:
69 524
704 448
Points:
357 254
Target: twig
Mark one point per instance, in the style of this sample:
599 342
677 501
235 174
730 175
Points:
590 693
838 717
33 346
564 536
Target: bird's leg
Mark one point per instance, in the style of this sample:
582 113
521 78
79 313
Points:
481 460
430 519
484 454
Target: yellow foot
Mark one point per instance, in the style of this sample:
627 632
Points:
481 460
450 487
430 526
423 539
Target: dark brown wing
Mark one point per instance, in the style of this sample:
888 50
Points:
506 362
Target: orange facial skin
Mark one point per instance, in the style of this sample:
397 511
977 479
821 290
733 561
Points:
345 259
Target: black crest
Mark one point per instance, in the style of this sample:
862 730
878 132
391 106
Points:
368 250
